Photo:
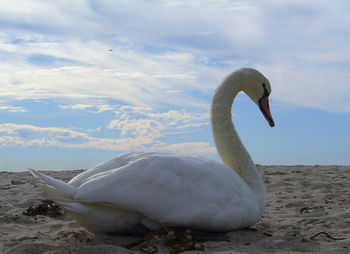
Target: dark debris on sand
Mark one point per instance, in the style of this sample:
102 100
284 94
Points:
47 208
175 239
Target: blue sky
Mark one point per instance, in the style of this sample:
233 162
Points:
84 81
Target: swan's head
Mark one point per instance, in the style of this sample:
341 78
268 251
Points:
258 88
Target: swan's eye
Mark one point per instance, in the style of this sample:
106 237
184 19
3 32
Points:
266 92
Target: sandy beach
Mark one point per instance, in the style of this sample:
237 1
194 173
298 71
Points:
308 212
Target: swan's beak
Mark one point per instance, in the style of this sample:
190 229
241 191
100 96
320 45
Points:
265 109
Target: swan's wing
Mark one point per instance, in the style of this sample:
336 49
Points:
169 189
114 163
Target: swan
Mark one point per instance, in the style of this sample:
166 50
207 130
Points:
153 189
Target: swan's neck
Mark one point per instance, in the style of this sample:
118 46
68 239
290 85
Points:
228 143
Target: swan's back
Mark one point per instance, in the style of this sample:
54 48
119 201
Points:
105 166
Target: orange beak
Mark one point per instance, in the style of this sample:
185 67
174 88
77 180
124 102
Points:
265 109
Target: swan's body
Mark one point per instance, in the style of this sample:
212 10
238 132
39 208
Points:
156 189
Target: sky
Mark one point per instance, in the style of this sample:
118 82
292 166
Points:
84 81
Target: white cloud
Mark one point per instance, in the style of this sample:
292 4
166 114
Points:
152 64
189 125
103 108
129 73
138 127
14 109
76 106
142 81
155 64
56 132
323 88
93 108
138 121
175 117
143 121
17 135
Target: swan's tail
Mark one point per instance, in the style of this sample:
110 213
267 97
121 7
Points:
62 193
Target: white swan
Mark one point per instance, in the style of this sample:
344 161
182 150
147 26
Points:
156 189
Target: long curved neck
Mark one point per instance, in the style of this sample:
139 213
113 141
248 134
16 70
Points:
228 144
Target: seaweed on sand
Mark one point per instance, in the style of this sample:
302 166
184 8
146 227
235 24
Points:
47 208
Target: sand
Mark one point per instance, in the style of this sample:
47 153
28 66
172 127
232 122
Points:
302 202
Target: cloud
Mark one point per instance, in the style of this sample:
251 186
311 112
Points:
100 108
138 127
294 85
178 63
13 109
56 132
144 121
133 121
188 125
138 121
175 117
131 74
29 135
142 81
76 106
